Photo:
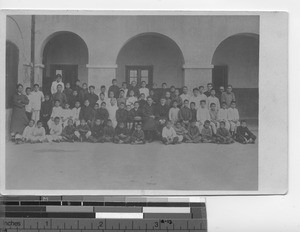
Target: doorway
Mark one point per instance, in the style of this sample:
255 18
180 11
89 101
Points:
220 76
68 72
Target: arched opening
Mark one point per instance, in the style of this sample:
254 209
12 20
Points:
11 74
67 54
236 62
151 57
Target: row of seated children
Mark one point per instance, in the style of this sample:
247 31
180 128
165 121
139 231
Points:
178 133
121 134
82 133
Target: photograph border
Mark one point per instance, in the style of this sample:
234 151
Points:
273 78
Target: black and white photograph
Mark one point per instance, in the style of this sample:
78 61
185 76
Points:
148 102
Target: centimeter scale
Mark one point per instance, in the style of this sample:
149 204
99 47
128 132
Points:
100 213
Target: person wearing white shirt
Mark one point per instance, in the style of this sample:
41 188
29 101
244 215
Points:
57 82
76 113
195 98
27 135
37 98
131 99
223 115
67 114
185 95
39 133
169 135
125 89
55 131
57 111
202 96
144 90
202 114
213 99
112 109
233 117
28 107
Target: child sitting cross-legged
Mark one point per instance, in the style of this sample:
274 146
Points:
193 135
121 134
55 131
27 135
138 136
97 132
68 134
223 135
206 132
180 131
169 135
83 131
108 132
39 133
244 135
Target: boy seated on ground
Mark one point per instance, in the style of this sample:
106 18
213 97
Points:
27 135
97 132
108 132
223 135
83 131
68 133
138 136
233 117
169 135
244 135
185 114
206 132
39 133
55 131
193 135
122 134
180 131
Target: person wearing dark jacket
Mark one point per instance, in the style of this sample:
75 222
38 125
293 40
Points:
121 114
91 96
96 132
46 111
244 135
122 134
86 112
114 88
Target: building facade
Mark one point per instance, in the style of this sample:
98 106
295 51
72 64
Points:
179 50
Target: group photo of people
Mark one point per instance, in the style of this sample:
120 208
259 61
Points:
133 114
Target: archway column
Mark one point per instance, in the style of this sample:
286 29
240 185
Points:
196 75
38 74
101 75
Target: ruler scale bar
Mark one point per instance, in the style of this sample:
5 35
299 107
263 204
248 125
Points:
102 213
102 224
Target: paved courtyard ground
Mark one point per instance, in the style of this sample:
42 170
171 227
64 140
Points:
86 166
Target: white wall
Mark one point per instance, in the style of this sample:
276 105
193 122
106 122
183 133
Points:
155 50
67 48
241 54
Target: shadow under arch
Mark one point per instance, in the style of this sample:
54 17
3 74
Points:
151 49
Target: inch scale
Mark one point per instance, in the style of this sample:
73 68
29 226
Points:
61 224
98 213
